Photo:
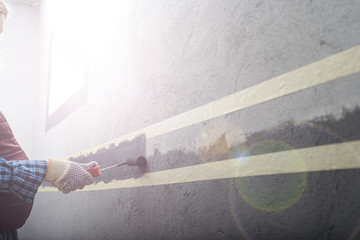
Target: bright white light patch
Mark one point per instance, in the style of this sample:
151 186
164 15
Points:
79 31
67 75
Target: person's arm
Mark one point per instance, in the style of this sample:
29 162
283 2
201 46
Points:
23 178
69 176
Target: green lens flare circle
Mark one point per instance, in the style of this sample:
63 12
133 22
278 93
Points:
271 193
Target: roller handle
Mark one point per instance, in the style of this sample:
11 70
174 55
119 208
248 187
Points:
95 171
140 161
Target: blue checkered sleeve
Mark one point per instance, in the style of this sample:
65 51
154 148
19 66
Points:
22 178
8 235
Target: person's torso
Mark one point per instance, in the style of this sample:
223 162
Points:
13 211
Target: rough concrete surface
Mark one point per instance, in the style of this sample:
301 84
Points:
179 55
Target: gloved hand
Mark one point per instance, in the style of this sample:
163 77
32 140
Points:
69 176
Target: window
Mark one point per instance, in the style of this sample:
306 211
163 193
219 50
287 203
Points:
67 89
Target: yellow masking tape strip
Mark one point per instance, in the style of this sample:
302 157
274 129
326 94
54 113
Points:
322 158
322 71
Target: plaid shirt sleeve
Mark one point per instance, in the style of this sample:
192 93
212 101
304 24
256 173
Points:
22 178
9 235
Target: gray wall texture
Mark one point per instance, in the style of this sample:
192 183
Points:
175 58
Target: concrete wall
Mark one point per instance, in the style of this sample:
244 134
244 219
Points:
246 111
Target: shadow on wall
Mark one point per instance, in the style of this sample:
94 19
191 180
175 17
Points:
287 136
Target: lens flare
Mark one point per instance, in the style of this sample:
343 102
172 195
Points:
273 193
236 211
214 140
355 232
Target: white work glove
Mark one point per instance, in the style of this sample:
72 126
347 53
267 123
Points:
69 176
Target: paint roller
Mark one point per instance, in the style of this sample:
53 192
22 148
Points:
140 161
